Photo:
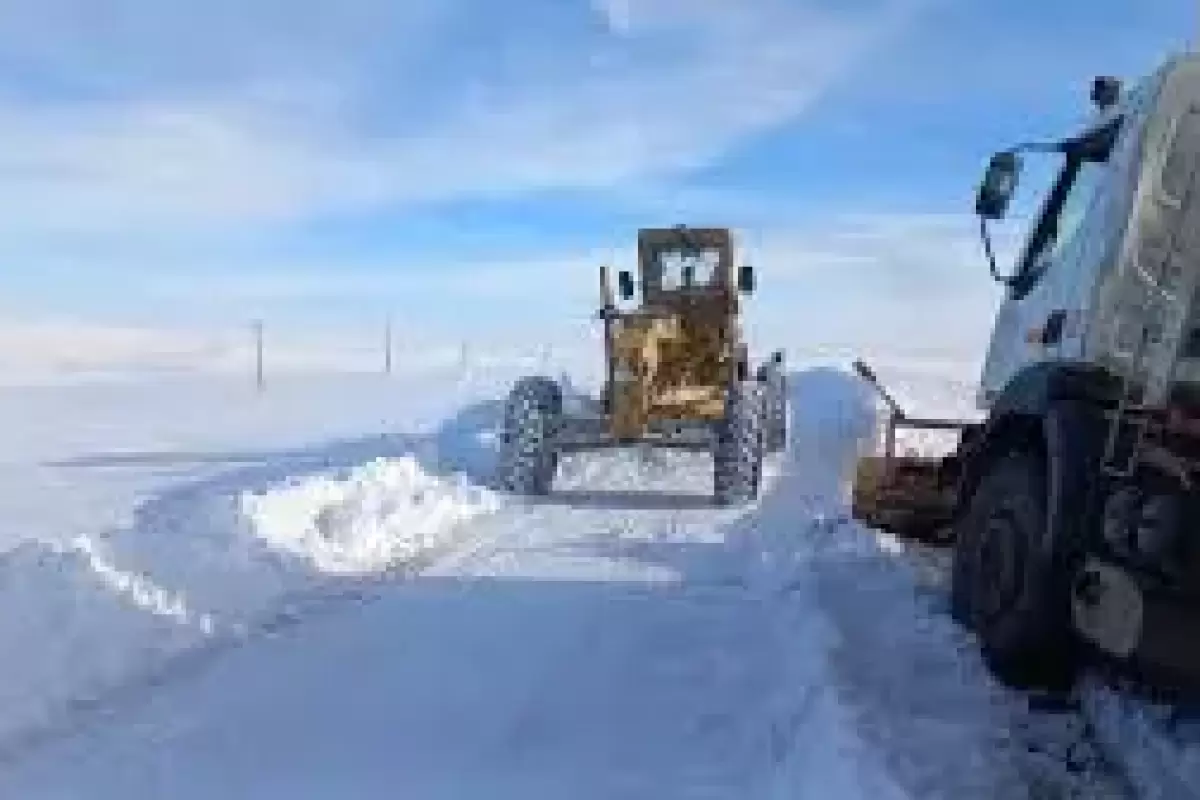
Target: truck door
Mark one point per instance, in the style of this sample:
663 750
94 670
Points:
1158 294
1041 318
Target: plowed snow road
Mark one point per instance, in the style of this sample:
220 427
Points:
622 639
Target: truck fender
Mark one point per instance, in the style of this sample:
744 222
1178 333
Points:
1055 411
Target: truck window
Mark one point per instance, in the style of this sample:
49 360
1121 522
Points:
688 269
1079 199
1067 204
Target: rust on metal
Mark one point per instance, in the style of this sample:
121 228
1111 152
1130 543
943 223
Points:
908 495
672 357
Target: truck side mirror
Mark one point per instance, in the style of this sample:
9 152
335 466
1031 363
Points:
998 186
625 284
865 372
745 279
1106 92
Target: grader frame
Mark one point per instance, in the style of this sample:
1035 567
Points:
671 360
677 373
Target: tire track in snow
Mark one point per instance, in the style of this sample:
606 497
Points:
193 639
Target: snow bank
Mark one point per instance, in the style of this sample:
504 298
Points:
391 511
78 459
891 697
907 678
102 613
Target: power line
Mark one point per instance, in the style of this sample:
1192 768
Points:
258 354
387 345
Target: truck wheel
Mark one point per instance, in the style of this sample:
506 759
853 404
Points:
528 458
738 447
1005 584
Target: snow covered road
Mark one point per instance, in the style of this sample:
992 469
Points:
622 639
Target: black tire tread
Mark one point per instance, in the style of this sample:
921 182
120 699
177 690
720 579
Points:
738 446
775 424
1029 644
532 416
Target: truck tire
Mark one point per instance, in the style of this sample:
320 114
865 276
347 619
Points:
738 446
528 457
1005 583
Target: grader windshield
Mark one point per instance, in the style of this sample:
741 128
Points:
688 269
677 263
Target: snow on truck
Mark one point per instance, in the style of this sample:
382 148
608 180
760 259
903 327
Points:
678 374
1072 505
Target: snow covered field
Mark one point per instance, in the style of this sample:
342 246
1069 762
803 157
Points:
311 593
143 520
78 459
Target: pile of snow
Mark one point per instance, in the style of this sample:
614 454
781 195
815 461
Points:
390 511
889 697
100 613
930 692
85 456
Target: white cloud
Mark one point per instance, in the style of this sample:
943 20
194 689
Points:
121 170
882 287
149 48
137 122
219 116
889 286
617 14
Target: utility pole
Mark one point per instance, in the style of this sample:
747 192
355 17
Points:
387 345
258 354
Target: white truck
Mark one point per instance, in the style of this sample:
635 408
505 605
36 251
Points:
1073 504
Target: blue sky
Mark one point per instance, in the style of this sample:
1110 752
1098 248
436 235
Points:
167 164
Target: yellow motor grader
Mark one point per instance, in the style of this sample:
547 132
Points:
678 374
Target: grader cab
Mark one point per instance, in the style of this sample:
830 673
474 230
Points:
677 373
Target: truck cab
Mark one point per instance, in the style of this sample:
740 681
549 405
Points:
1072 504
1071 242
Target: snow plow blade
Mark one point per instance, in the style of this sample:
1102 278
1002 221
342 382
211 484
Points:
911 496
904 495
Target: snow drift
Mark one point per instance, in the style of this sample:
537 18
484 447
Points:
389 512
84 618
